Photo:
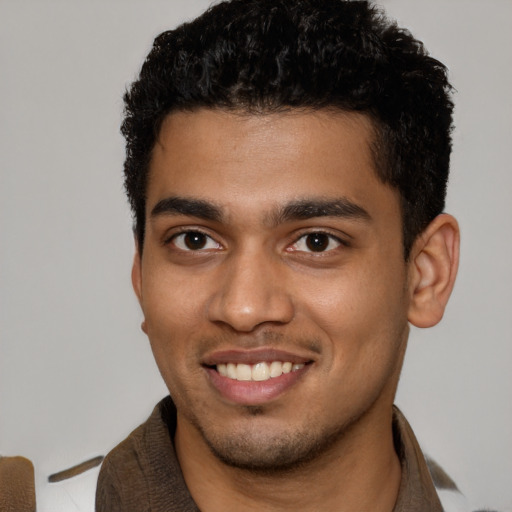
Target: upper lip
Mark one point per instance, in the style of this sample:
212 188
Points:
253 356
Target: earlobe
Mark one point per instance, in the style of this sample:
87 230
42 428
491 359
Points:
433 268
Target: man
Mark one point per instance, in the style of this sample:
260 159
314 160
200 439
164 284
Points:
286 166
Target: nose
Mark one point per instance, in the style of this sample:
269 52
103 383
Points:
251 292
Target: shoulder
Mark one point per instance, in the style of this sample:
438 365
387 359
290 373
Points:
129 471
121 469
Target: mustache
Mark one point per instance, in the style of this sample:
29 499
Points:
265 338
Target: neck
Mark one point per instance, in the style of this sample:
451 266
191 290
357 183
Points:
361 471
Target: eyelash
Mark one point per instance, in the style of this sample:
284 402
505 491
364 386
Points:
330 238
302 238
187 231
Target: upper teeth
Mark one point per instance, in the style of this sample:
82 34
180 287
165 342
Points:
258 372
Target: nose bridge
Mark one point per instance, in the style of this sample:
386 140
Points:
251 291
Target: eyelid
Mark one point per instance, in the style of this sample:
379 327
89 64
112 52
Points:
183 230
341 240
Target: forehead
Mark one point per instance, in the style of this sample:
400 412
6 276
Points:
258 160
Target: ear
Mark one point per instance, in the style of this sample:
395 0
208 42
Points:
137 273
432 271
137 278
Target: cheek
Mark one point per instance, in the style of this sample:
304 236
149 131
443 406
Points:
354 297
363 309
173 309
171 302
172 327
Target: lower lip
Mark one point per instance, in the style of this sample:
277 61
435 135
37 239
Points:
243 392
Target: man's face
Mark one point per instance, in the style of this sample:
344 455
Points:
273 282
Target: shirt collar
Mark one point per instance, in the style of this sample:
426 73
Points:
417 491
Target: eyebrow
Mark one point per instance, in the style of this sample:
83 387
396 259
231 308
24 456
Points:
302 209
189 207
310 208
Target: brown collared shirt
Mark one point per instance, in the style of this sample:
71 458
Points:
142 474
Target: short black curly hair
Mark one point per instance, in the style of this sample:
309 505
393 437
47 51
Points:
264 56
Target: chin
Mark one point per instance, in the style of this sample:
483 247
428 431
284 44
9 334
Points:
255 451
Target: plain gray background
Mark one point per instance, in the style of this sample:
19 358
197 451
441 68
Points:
76 372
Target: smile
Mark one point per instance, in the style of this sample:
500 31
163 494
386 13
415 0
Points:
258 372
255 377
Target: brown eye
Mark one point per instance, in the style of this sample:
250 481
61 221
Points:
317 242
194 241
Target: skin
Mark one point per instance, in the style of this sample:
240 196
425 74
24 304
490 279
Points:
241 278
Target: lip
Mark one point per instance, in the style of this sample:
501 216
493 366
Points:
254 356
254 392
